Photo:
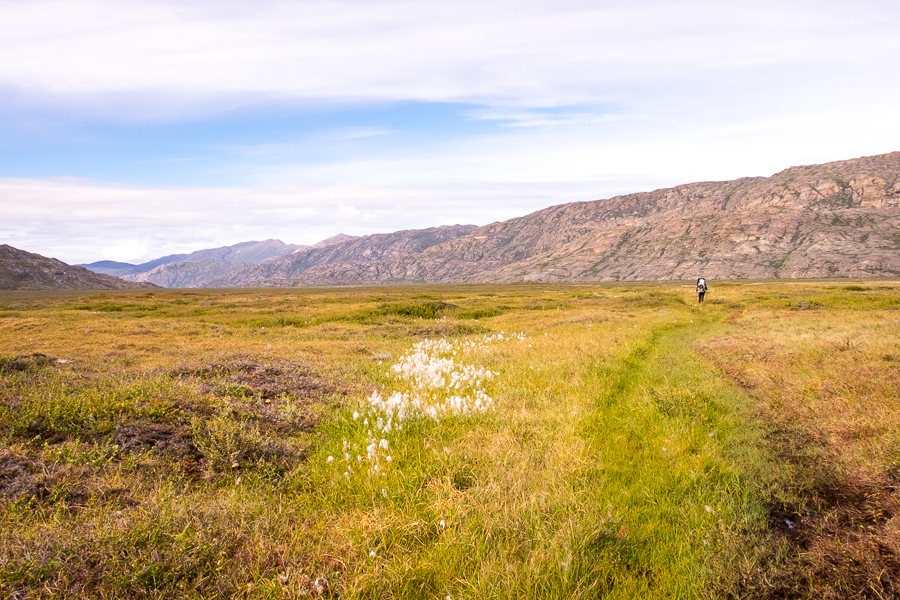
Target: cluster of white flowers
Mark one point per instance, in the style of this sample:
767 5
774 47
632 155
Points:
439 387
431 369
426 368
400 406
375 460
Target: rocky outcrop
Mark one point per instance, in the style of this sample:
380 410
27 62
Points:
244 252
20 270
188 274
120 269
370 249
839 219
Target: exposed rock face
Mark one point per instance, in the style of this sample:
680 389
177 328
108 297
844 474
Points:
120 269
186 274
364 250
244 252
335 239
20 270
839 219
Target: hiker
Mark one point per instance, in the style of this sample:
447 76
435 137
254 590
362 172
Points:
701 288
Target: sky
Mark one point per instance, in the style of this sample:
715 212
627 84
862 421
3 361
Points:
130 130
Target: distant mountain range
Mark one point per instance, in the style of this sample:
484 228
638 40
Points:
200 267
840 219
20 270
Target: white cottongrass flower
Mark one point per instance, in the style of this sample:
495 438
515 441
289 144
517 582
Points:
438 387
329 460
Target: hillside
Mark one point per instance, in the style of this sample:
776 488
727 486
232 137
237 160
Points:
20 270
186 274
244 252
359 250
840 219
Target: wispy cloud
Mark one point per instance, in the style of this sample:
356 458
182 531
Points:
524 54
84 221
545 119
356 133
556 100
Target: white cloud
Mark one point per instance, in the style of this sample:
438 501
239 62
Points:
545 119
595 99
164 55
81 221
127 251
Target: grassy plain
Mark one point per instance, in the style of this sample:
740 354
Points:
202 443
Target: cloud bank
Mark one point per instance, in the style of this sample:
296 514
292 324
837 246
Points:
146 126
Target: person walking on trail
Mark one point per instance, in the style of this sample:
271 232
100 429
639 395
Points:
701 289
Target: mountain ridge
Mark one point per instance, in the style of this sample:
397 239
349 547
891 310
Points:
838 219
21 271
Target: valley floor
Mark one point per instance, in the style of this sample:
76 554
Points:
547 441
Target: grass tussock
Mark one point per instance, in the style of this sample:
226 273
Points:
613 441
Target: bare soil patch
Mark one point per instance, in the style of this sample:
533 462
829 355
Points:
245 378
24 478
839 514
847 541
165 440
26 362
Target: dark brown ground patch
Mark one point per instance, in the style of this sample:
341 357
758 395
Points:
279 398
25 362
165 440
842 522
243 378
846 541
24 478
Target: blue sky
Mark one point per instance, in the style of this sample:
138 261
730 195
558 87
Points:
134 129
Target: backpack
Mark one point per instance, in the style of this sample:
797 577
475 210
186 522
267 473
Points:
701 285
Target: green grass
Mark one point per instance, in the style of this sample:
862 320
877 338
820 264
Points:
182 451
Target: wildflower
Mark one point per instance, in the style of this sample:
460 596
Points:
372 554
442 524
384 492
329 460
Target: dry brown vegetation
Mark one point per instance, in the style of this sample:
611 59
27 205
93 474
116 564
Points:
827 384
175 444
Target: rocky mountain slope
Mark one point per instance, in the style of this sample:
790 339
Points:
203 266
20 270
212 268
187 274
840 219
244 252
360 250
